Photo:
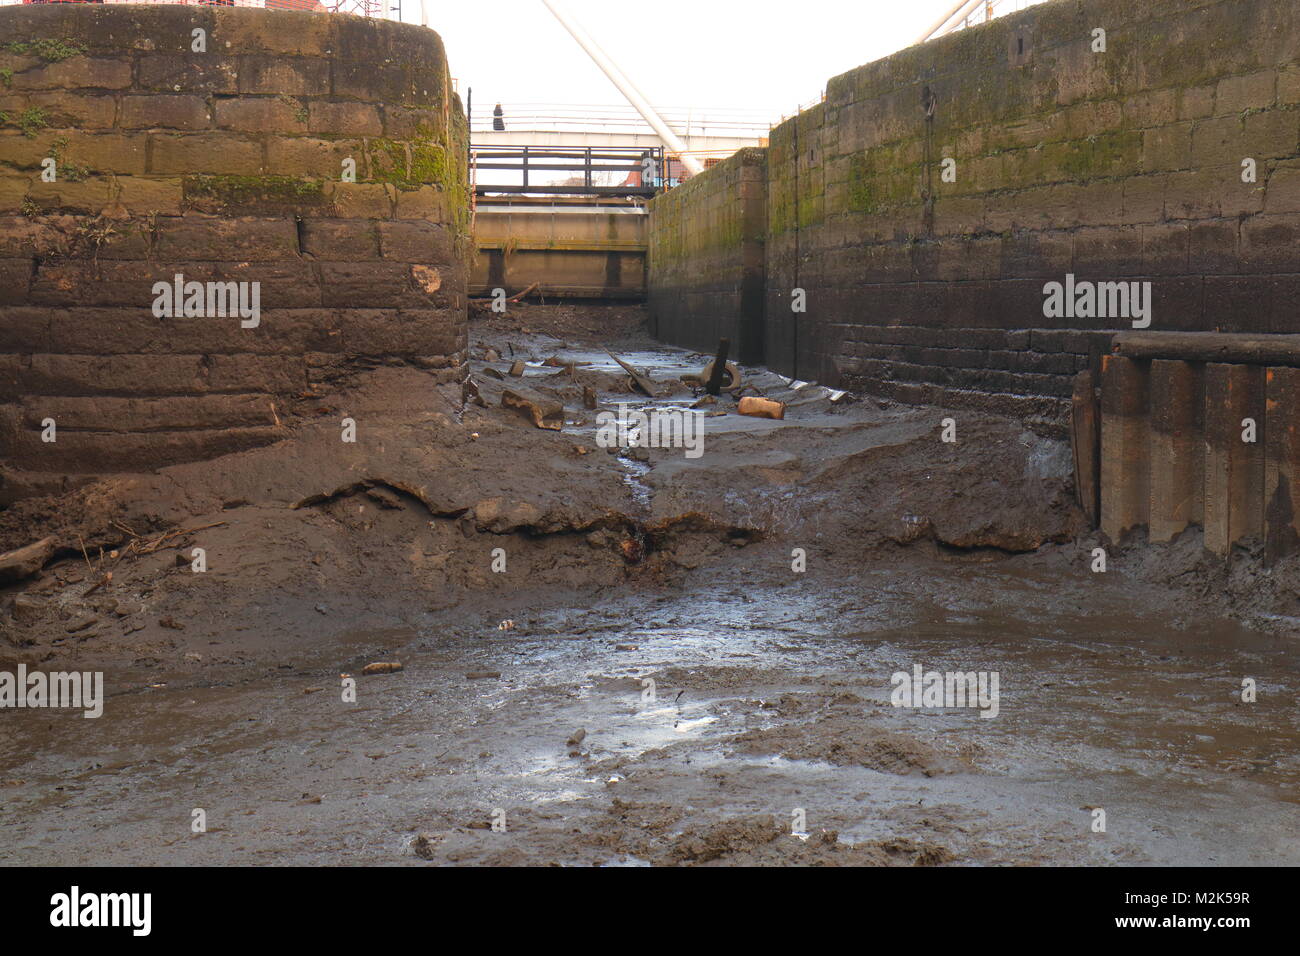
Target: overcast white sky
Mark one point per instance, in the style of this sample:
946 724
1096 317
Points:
769 55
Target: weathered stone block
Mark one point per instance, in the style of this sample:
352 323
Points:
1271 243
345 118
161 111
1253 91
15 278
260 115
1213 246
289 76
1167 147
88 196
141 196
284 32
66 109
415 241
1270 134
361 200
78 72
345 240
179 154
1144 199
309 156
1282 194
185 73
225 239
1218 142
1288 87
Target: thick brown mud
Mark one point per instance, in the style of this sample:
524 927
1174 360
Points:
669 689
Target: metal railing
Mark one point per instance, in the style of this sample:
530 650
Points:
538 168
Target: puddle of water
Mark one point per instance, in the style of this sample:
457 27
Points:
1116 708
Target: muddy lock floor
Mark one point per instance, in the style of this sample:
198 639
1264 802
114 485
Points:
771 695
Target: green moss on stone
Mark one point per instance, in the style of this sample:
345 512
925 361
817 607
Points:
68 170
254 191
411 165
32 120
47 48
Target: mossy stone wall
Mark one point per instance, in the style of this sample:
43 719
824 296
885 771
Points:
706 258
1122 165
221 165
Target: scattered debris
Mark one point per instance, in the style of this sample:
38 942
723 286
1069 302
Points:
481 675
423 845
171 622
577 737
517 368
506 625
136 547
527 290
713 375
542 412
640 381
381 667
761 407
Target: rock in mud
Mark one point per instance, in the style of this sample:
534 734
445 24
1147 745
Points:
27 609
24 562
81 623
381 667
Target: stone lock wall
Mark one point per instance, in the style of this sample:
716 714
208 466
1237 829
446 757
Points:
1122 165
706 258
224 165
